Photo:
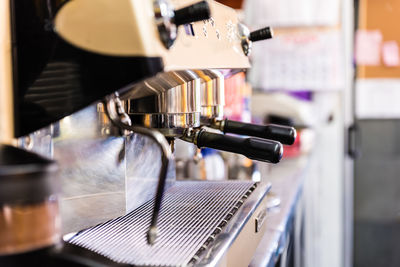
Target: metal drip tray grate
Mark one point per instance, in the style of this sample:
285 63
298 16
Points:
192 214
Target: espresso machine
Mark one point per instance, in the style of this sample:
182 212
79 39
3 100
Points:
102 90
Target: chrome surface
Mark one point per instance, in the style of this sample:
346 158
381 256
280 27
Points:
210 112
164 15
168 92
40 142
228 235
244 34
193 215
212 93
103 174
92 168
260 219
171 125
168 100
217 124
287 179
190 135
120 118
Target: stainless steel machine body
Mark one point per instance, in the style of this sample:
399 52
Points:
122 182
212 94
97 182
168 102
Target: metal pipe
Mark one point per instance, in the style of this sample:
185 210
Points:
117 115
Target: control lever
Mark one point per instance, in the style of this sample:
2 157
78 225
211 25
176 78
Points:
168 20
261 34
284 134
253 148
196 12
248 37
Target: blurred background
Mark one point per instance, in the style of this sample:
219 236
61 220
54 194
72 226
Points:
333 71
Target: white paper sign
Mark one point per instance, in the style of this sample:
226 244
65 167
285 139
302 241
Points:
368 47
390 54
299 61
378 98
285 13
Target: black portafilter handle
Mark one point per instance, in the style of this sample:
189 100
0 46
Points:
192 13
283 134
253 148
261 34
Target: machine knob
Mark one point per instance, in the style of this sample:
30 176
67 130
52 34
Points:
253 148
167 19
247 37
261 34
192 13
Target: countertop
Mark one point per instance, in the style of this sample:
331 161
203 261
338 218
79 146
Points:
287 179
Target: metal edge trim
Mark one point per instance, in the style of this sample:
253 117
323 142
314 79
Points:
226 238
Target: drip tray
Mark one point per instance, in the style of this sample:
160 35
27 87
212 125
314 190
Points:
192 215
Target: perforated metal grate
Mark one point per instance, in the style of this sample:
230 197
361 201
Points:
192 214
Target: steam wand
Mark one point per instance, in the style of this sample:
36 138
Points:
120 118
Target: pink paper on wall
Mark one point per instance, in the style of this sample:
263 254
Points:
368 47
390 54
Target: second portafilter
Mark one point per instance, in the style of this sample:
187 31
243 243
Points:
212 105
